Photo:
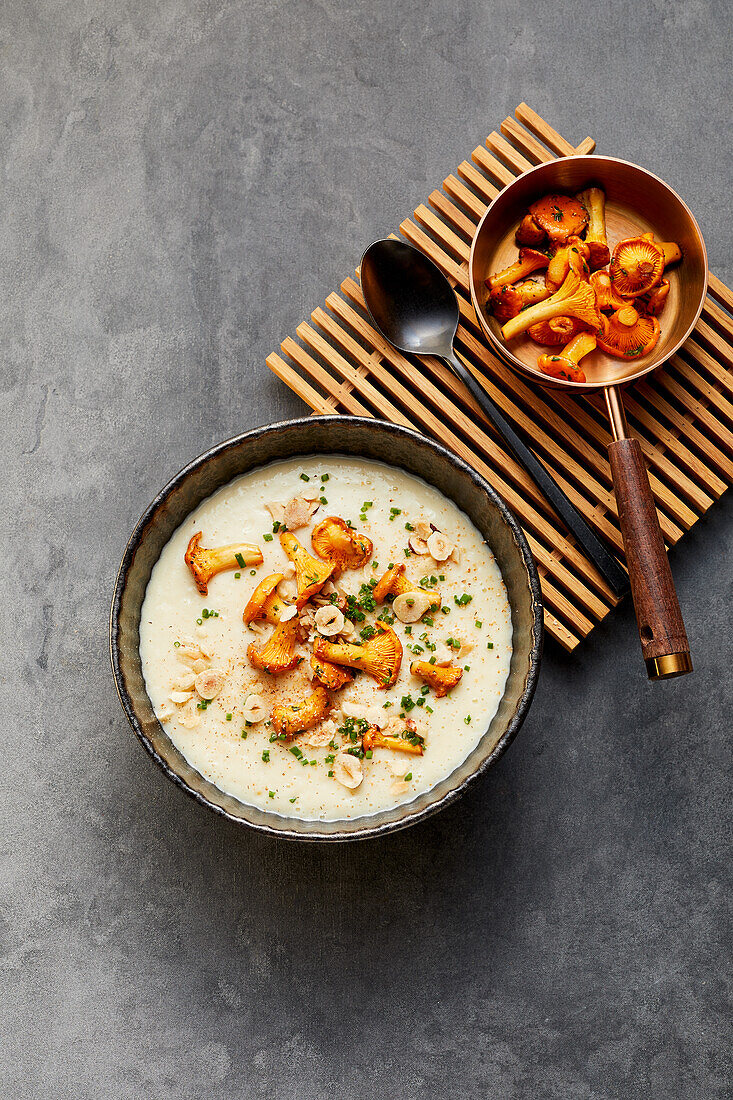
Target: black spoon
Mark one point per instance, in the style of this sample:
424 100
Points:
414 307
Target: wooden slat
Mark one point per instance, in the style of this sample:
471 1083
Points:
682 415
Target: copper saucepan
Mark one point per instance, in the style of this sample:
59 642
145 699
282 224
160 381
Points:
636 202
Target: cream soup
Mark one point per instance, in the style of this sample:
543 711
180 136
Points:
225 715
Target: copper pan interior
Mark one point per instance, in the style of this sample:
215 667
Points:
636 202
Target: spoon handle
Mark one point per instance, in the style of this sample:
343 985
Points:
605 562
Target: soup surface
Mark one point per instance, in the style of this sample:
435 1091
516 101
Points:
369 746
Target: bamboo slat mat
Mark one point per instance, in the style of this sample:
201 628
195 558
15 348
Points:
682 415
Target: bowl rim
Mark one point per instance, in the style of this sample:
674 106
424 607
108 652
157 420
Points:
366 831
501 348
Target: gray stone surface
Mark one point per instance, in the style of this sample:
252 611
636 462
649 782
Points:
182 182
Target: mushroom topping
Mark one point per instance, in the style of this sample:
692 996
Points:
636 266
558 330
278 654
606 296
507 301
210 682
265 602
575 298
206 563
299 511
441 678
418 540
394 583
594 200
560 216
380 657
530 260
310 573
373 738
331 676
335 542
297 717
347 770
655 300
628 334
409 607
277 510
440 546
565 363
529 232
329 621
571 257
254 709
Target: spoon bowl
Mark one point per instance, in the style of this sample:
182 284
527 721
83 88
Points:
409 298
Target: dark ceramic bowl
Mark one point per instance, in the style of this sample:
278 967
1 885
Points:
373 439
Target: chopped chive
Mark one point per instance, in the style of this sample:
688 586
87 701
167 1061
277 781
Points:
267 537
229 717
489 645
467 719
244 735
478 623
237 576
252 572
266 756
324 477
240 561
428 709
271 794
177 645
304 477
323 500
293 799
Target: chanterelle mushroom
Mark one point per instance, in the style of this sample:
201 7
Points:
560 216
310 573
572 256
278 653
373 738
654 302
628 334
265 602
380 657
636 266
441 678
564 364
335 542
294 718
331 676
206 563
558 330
529 232
575 298
594 200
529 260
506 301
395 583
606 296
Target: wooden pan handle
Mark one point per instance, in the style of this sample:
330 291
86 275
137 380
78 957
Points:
661 629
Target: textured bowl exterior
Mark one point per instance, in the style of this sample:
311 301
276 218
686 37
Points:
653 205
371 439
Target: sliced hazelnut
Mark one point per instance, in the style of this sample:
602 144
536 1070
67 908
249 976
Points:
190 715
409 607
329 621
288 613
185 682
180 697
210 682
439 546
347 770
400 787
254 709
